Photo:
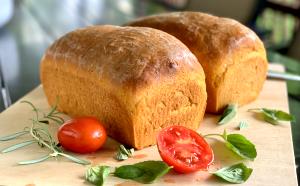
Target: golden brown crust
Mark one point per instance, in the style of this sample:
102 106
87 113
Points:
222 46
124 43
135 80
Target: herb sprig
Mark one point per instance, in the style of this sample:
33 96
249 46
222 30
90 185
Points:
273 116
143 172
238 173
228 114
97 174
149 171
238 144
124 153
40 134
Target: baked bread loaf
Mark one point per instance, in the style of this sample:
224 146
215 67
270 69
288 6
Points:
135 80
232 56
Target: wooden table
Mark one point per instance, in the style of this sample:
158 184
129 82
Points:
36 24
274 165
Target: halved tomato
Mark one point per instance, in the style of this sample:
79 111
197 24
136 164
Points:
184 149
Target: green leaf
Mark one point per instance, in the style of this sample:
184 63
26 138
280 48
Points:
274 116
97 175
76 160
228 114
27 162
17 146
123 153
270 120
143 172
243 125
120 156
280 115
128 172
241 146
13 136
238 173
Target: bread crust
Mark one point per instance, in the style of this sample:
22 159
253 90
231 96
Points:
232 56
134 80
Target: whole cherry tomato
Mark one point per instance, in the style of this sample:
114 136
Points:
82 135
184 149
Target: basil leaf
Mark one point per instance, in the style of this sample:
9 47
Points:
274 116
123 153
243 125
96 175
241 146
128 172
120 156
143 172
153 170
228 114
238 173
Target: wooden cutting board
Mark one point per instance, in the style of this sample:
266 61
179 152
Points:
274 165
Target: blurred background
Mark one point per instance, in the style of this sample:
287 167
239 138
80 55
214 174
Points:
28 27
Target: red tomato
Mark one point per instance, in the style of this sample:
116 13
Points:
82 135
184 149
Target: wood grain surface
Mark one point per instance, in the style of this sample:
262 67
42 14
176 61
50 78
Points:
274 165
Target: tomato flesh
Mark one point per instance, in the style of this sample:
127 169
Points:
184 149
82 135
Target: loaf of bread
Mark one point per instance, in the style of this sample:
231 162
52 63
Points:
135 80
232 56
